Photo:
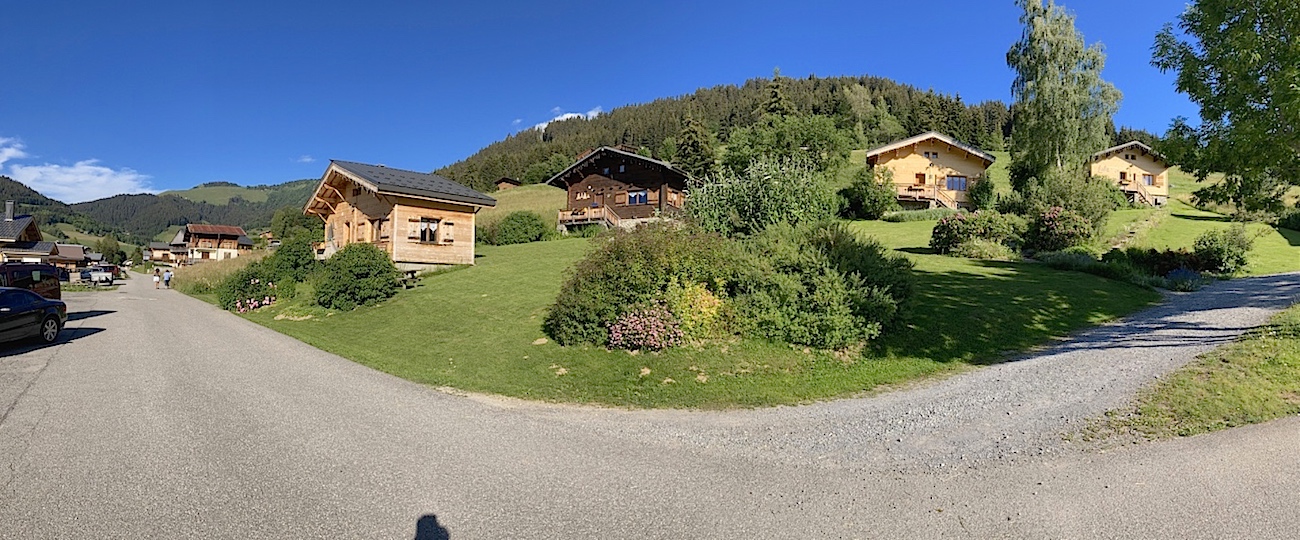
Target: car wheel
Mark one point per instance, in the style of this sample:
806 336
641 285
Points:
49 330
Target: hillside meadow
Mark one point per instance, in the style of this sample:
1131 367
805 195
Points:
479 329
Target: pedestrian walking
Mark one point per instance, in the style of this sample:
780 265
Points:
167 279
156 278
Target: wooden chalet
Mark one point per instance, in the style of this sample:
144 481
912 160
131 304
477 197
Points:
70 256
507 183
21 239
199 242
418 219
932 169
1140 172
616 187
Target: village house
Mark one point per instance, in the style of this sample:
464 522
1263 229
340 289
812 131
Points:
616 187
70 256
418 219
21 239
159 253
507 183
1140 172
199 242
932 170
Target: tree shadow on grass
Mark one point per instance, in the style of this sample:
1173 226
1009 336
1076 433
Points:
1221 219
918 250
1292 237
981 317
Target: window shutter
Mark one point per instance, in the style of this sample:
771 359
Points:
448 232
413 230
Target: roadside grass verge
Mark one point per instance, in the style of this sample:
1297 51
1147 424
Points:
479 329
204 278
1253 380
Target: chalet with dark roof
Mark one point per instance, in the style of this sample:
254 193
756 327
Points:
199 242
418 219
619 188
21 239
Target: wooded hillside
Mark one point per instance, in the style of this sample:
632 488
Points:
877 110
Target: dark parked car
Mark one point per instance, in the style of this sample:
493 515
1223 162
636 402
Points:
25 314
40 278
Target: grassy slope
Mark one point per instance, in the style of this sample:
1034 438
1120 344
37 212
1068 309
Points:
219 194
1253 380
545 200
88 240
1275 251
168 234
474 329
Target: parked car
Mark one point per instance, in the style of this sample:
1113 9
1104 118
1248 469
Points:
97 275
40 278
25 314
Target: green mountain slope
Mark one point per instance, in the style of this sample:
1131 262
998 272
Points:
147 215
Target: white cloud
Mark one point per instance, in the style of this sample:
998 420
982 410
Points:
306 159
11 149
561 115
84 181
516 122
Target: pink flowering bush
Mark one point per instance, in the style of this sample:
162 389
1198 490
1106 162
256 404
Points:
652 328
248 289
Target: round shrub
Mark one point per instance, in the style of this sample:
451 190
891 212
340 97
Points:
518 227
697 310
987 225
357 275
869 197
1223 250
294 260
631 268
249 288
652 328
1057 229
980 248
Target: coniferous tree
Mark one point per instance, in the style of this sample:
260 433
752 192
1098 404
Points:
1062 106
776 103
694 150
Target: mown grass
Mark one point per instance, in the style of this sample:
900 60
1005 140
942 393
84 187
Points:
479 329
1275 250
220 195
545 200
1253 380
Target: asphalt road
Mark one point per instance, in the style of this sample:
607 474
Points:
159 416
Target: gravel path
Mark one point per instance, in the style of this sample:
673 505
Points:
1004 413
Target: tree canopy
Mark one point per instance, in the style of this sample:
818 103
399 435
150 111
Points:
1240 62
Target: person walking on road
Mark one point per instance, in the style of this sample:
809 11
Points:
156 279
167 279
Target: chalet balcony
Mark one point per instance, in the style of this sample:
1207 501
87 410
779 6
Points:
926 194
587 216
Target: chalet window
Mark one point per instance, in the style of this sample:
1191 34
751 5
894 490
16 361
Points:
1148 180
428 230
1123 175
636 197
622 168
582 195
606 171
957 183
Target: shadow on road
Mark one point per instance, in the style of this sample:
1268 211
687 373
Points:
428 528
80 315
68 334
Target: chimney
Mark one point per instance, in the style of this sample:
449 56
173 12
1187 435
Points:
9 210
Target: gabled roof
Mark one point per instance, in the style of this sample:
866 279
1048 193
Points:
988 158
244 241
29 248
508 180
223 230
611 151
389 181
70 252
159 245
1131 144
11 230
179 239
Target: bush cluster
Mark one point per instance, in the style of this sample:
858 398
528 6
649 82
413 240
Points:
357 275
1223 251
764 193
821 286
816 285
636 268
988 226
1058 228
518 227
870 195
249 288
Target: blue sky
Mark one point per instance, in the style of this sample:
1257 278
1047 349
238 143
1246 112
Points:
100 98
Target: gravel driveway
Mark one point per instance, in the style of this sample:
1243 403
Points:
159 416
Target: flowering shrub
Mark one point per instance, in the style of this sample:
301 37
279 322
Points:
652 328
954 230
1057 229
248 289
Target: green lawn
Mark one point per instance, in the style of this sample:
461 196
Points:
545 200
1253 380
479 329
220 195
1275 251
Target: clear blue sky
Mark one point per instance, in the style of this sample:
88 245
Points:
100 98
